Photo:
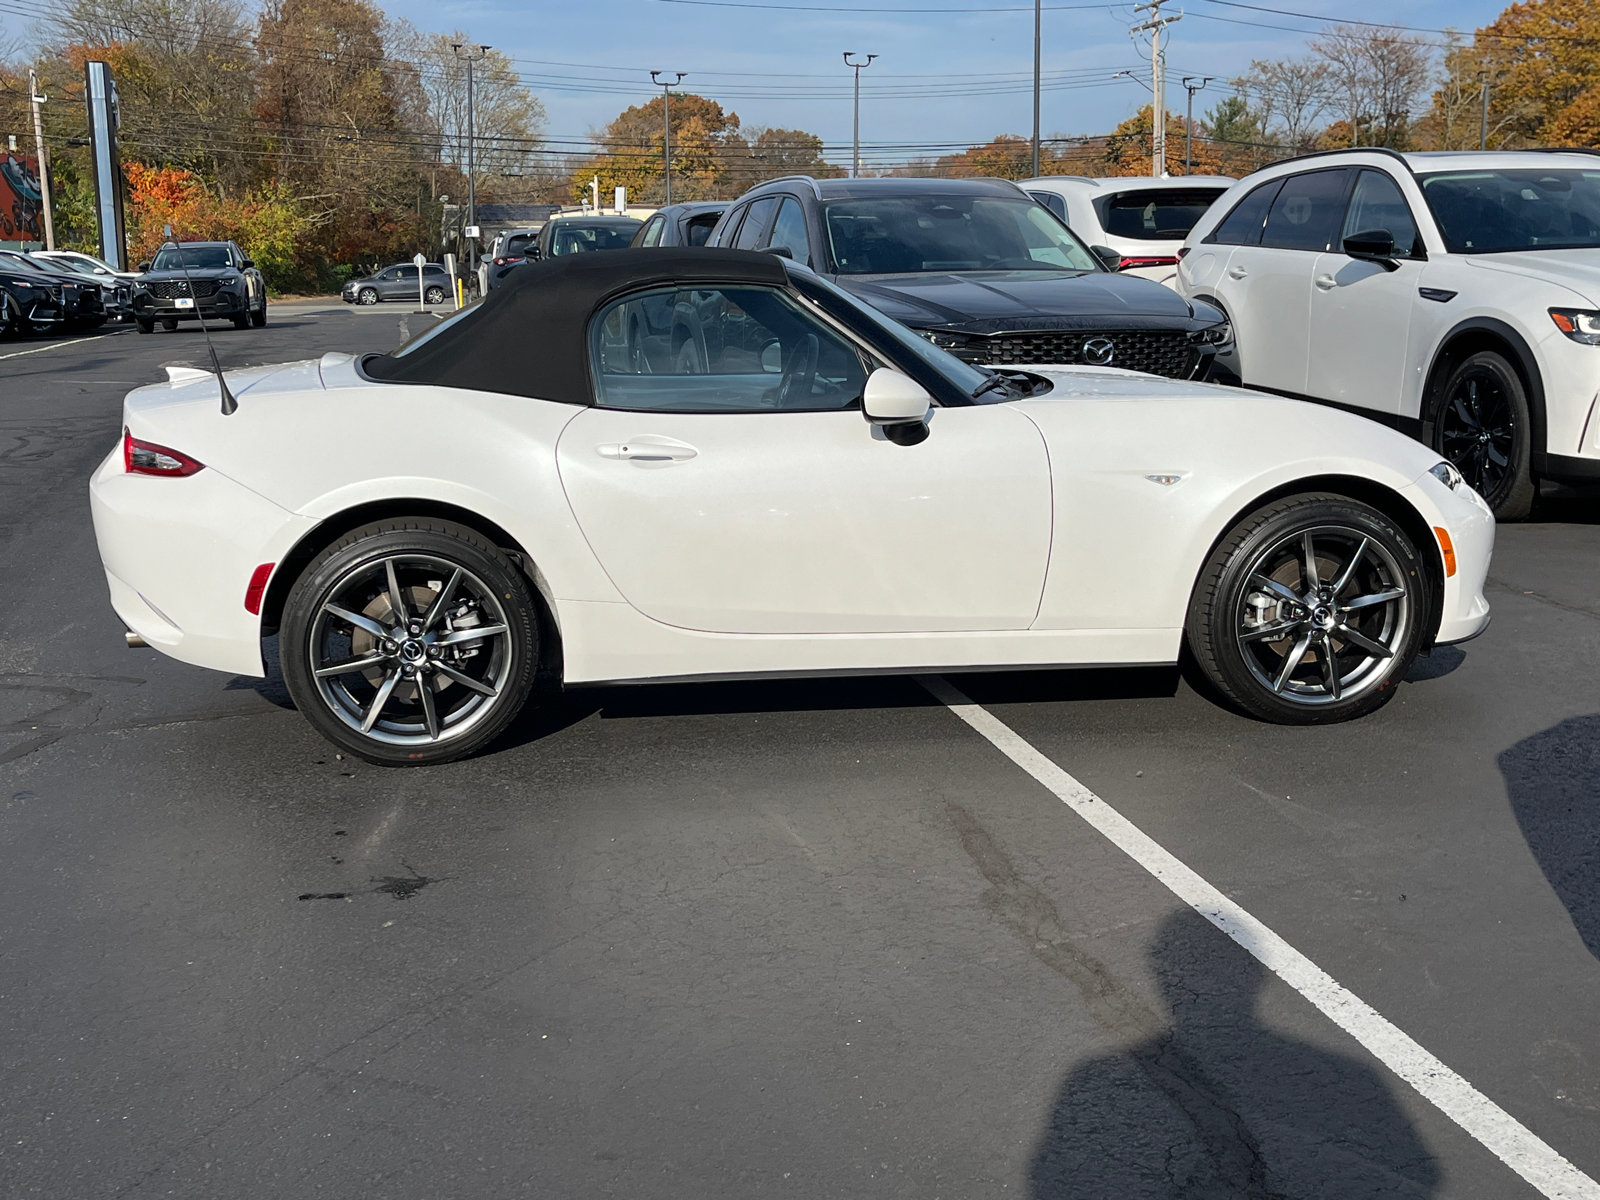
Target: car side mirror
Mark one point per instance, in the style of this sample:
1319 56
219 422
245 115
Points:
1108 256
143 267
898 404
1375 245
249 262
780 251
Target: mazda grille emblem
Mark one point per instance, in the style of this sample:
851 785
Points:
1099 351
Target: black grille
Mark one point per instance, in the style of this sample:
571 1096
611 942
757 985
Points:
171 289
1156 351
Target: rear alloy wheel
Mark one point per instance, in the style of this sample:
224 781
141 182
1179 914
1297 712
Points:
1310 611
1482 427
410 642
367 296
434 295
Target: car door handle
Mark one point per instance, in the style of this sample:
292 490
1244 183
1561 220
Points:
1326 281
649 449
1237 272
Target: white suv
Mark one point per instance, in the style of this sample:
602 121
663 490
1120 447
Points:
1455 296
1142 218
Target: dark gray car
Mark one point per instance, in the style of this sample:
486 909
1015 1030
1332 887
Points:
680 225
399 282
571 235
979 268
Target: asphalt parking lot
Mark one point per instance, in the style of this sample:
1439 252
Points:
805 939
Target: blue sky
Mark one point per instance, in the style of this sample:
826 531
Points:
942 78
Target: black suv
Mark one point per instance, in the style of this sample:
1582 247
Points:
58 297
681 225
399 282
187 279
980 268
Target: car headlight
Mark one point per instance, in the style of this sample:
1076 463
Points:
1219 334
1578 324
1447 474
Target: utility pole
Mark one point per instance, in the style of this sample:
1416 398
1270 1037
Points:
666 127
855 159
1036 7
1190 86
35 99
473 53
1483 130
1158 82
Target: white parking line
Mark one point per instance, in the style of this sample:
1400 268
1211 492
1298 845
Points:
59 345
1512 1142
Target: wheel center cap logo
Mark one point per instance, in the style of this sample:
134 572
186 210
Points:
1323 616
1099 351
412 650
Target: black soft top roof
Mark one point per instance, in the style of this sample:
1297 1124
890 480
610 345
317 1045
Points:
530 336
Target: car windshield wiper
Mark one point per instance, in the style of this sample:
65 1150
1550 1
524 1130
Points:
995 380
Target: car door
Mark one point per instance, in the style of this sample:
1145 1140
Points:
1267 286
1365 305
728 482
404 286
383 282
756 222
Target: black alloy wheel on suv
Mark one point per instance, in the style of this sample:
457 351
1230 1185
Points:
1482 426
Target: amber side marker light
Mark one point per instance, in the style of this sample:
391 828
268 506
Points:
147 458
258 587
1448 548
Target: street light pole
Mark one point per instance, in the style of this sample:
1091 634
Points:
1188 118
1483 129
35 99
666 126
855 158
473 53
1036 7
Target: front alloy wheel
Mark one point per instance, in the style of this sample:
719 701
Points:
367 296
434 295
409 645
1482 427
1310 611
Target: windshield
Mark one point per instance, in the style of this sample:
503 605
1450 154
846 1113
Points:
950 233
193 258
576 239
1482 212
21 260
427 335
964 377
73 264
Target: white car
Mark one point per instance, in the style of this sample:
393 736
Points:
88 263
1142 218
679 464
1455 296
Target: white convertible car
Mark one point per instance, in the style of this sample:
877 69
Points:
688 464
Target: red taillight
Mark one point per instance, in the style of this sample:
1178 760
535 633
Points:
1129 264
257 588
147 458
504 261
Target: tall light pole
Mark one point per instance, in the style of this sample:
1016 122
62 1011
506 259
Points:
35 99
473 53
1483 129
666 124
855 159
1036 7
1158 82
1190 86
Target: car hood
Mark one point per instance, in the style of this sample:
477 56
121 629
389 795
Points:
1577 269
989 301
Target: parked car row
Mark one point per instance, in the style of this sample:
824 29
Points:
45 291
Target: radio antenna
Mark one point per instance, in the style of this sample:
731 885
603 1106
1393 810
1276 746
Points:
229 404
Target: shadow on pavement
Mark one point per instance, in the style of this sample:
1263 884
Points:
1553 781
1217 1104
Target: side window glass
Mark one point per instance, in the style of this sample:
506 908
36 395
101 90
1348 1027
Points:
755 223
1053 202
698 229
652 231
789 231
408 273
728 350
1305 216
1242 227
391 274
1377 204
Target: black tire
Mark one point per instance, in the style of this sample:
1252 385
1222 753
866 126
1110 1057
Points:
1255 585
474 686
367 296
144 326
434 295
259 317
10 318
242 320
170 324
1482 425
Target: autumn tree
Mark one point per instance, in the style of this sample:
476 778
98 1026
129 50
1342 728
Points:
1129 150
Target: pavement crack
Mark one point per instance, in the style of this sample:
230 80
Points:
1143 1035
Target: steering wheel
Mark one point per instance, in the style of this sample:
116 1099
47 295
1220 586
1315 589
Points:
800 372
